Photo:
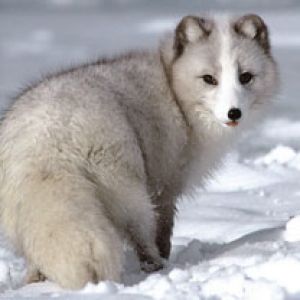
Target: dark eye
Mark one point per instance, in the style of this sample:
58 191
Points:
245 77
209 79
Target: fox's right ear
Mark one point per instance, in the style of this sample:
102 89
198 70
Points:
191 29
253 27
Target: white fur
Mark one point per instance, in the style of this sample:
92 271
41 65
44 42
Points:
87 155
228 94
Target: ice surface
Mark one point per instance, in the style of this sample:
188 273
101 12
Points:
238 238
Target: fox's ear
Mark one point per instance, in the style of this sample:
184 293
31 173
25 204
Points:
190 30
253 27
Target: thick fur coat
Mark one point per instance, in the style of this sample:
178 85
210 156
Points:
100 153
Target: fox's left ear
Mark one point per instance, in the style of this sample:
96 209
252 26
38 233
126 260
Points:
191 29
253 27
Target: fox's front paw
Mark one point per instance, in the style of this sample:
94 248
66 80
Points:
151 265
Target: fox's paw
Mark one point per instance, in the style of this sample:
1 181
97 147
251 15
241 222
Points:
152 265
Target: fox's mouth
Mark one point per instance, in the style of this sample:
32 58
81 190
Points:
232 123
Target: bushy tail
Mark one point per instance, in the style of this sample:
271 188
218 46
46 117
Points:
64 232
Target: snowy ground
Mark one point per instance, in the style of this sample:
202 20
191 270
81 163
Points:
239 238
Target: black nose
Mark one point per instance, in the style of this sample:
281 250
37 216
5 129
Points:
234 114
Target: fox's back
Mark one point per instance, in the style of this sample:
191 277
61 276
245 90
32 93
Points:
121 105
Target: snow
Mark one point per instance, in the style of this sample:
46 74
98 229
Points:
239 238
279 155
292 232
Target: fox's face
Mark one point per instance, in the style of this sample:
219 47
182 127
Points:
222 71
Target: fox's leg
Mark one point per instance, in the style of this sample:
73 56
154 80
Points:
131 209
141 232
166 210
136 218
142 235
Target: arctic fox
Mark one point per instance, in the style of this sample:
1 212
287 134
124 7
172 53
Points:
100 153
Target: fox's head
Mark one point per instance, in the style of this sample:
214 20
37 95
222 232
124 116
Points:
220 71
